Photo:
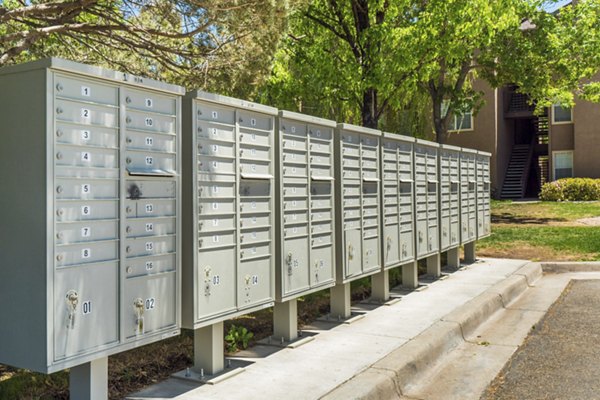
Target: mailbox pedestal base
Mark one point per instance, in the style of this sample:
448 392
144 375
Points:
340 301
208 349
453 257
470 252
380 286
89 381
285 320
410 275
434 265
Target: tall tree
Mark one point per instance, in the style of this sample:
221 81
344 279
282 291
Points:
216 44
379 56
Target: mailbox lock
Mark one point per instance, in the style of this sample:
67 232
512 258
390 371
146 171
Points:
128 160
128 99
128 229
59 133
350 252
59 257
128 269
59 156
72 299
420 236
59 189
129 140
128 249
128 209
289 263
59 110
138 306
128 120
445 232
59 235
60 212
59 87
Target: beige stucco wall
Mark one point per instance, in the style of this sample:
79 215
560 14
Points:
586 138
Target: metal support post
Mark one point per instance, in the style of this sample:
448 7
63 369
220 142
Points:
340 301
453 257
380 286
434 265
410 275
208 349
470 252
285 320
89 381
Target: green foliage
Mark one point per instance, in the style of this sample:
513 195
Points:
237 338
571 189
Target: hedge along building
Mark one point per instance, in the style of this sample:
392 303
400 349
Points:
527 149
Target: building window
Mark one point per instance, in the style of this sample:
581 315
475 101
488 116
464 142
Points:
562 163
458 122
561 115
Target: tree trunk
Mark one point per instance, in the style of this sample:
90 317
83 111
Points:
440 124
369 109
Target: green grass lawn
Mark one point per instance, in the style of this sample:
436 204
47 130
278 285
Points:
543 231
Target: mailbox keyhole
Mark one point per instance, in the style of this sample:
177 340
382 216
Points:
72 299
134 192
138 306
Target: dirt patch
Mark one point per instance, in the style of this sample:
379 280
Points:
589 221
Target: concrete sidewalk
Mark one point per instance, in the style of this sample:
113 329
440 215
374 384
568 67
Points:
326 366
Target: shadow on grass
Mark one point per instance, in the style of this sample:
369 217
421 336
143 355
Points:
507 218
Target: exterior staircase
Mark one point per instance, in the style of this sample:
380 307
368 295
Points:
515 181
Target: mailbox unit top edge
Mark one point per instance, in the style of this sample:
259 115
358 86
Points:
359 129
61 64
484 153
449 147
399 137
307 118
232 102
427 143
468 150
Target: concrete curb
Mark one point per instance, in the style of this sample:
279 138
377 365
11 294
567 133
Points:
389 377
567 266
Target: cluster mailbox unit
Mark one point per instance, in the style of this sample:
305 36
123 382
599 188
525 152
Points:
450 204
427 204
91 216
229 229
483 195
468 198
306 204
357 172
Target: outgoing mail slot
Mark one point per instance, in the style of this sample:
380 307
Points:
318 132
150 122
156 294
295 217
141 227
84 90
86 114
96 286
148 189
351 173
149 101
214 132
149 246
217 223
216 148
251 251
86 253
370 188
252 138
294 157
350 162
255 167
76 232
68 211
150 141
150 208
213 113
255 153
320 188
250 235
255 205
258 188
294 170
252 220
216 189
295 204
87 136
318 216
295 190
150 265
215 165
216 206
216 239
143 163
255 121
295 231
86 189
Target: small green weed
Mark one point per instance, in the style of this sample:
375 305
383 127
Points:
237 338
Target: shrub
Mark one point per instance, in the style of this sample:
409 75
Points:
571 189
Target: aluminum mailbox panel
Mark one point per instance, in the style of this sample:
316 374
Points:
449 197
305 188
358 171
105 169
468 196
426 198
398 216
483 194
229 199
